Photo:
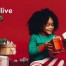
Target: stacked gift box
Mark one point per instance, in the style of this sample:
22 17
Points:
6 48
4 61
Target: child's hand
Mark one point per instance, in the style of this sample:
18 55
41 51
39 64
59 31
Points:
49 46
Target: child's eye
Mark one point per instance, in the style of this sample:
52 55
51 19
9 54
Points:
47 25
50 25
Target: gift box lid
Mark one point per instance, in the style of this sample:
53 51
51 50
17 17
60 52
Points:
7 45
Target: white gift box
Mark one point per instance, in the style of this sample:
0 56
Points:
64 35
4 61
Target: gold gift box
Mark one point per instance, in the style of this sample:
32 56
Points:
8 49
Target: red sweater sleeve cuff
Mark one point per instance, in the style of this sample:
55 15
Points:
41 48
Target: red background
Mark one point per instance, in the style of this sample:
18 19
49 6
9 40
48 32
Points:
14 26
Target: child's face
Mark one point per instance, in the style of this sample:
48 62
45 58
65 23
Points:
49 27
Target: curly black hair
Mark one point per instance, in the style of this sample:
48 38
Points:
40 18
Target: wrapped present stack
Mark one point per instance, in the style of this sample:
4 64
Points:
7 47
